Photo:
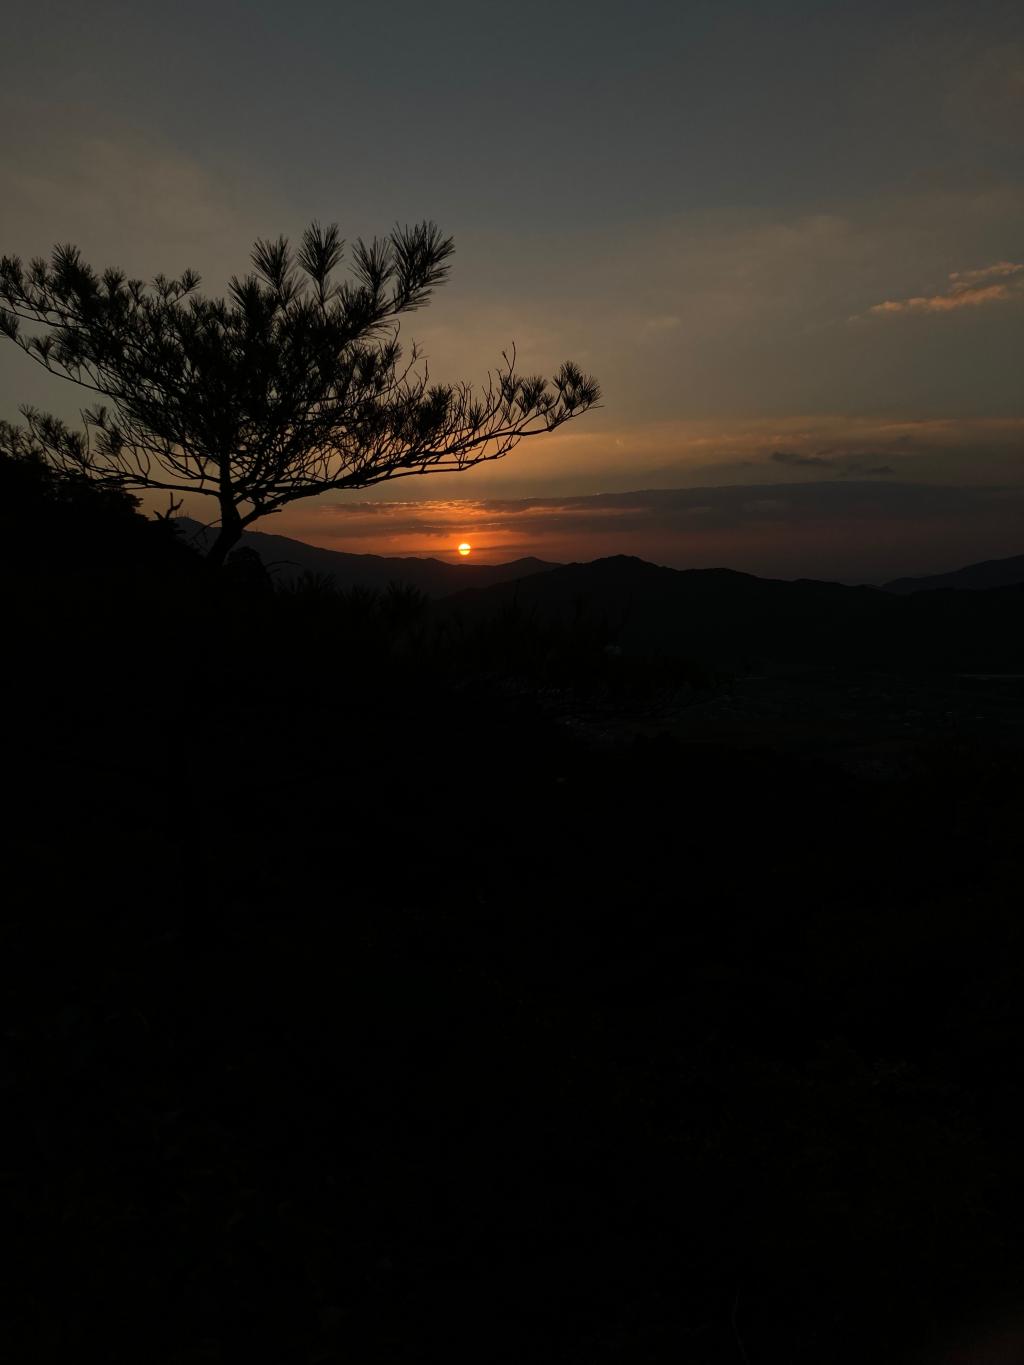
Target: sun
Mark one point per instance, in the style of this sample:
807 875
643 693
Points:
465 548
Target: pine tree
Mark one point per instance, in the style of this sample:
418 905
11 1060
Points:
293 386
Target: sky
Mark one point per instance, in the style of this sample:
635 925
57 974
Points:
788 240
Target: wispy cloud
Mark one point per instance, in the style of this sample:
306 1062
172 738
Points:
665 323
843 467
969 279
966 289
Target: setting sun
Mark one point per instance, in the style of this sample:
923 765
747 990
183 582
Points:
465 548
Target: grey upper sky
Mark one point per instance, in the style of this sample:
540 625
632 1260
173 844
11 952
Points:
791 228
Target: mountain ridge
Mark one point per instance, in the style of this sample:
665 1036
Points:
287 559
985 574
737 620
720 616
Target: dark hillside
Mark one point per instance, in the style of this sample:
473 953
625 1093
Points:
735 620
385 988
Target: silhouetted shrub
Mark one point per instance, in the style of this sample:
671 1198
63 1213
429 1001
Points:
52 521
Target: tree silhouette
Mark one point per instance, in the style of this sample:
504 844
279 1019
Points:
294 385
57 519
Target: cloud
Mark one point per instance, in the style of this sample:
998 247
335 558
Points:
762 301
667 323
791 457
966 289
127 198
842 466
968 279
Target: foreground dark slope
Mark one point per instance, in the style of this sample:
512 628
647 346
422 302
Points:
288 559
735 620
358 1006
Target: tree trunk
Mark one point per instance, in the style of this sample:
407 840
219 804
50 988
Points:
228 536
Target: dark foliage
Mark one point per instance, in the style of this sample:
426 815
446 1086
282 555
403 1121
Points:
363 1003
51 519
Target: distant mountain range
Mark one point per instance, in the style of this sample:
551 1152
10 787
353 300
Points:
718 616
735 620
288 559
990 573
